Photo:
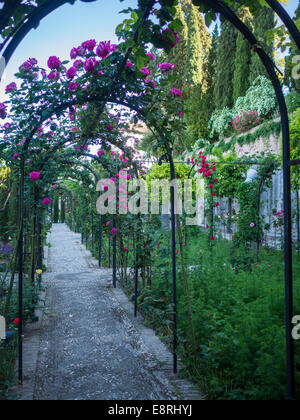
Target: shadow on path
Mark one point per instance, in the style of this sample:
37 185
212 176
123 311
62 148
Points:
88 347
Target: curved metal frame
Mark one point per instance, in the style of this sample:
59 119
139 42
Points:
219 7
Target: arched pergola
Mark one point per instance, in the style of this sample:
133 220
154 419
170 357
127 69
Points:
226 12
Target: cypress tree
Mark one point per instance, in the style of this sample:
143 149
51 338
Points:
178 54
206 45
195 54
242 60
203 102
211 70
223 90
262 22
198 48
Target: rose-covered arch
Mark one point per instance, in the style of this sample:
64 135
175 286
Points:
225 11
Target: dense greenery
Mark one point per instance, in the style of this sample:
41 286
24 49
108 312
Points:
295 148
76 122
239 319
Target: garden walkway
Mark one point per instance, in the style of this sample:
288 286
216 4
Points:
88 346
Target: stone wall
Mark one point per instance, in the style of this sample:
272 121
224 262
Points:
271 144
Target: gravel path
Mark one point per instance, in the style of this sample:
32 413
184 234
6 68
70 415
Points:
89 348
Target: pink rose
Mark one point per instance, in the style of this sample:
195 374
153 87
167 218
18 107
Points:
165 67
11 87
176 92
90 65
27 66
46 201
54 63
151 56
89 45
145 71
81 51
71 73
34 176
74 53
2 110
77 64
73 86
151 83
104 49
53 76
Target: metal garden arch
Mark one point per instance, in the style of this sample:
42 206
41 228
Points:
220 7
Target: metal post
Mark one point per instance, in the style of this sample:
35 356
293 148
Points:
39 238
114 255
288 258
71 215
100 241
92 221
173 222
109 253
20 330
298 222
136 280
20 269
33 250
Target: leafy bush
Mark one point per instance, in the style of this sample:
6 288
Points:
260 97
292 101
239 319
219 124
295 147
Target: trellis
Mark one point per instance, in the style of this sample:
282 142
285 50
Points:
219 7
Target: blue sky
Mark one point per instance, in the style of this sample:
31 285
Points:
68 26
